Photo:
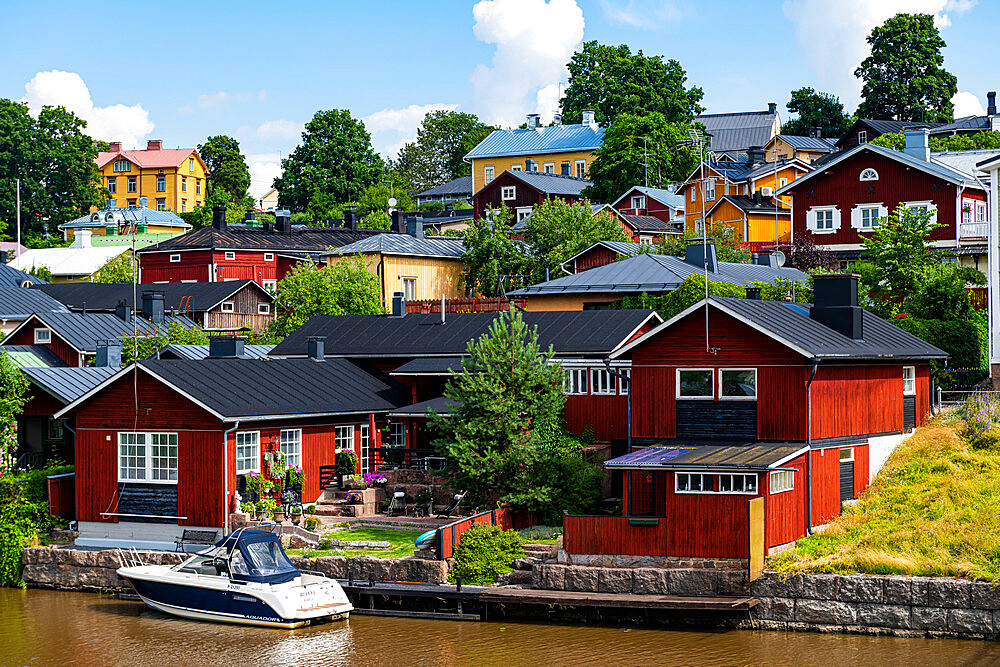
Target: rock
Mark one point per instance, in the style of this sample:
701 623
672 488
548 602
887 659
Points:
548 577
928 618
615 581
731 582
515 578
859 588
955 593
820 586
776 609
883 616
970 621
985 595
649 581
896 590
918 590
778 585
332 566
692 581
581 578
825 612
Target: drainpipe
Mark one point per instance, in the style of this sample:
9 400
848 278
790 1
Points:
225 478
809 488
625 378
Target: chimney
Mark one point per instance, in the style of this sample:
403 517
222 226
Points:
449 208
248 218
755 155
917 144
753 293
398 221
315 347
557 119
225 347
351 219
765 259
268 225
81 238
565 169
991 103
696 255
3 256
415 226
530 165
398 304
142 202
533 121
835 303
154 144
283 221
219 217
109 354
818 132
589 117
115 147
772 107
152 306
123 311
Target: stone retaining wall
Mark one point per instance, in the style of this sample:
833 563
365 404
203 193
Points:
640 580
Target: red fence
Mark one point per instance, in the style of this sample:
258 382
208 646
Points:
62 495
485 305
979 297
757 246
652 536
449 536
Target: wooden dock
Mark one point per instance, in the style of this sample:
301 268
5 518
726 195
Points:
617 600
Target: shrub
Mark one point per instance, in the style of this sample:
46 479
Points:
965 340
19 523
310 509
982 421
345 460
541 533
312 523
484 553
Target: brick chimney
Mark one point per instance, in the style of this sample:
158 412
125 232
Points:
154 145
115 146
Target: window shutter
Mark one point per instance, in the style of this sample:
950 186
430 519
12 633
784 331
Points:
811 219
856 217
836 217
883 212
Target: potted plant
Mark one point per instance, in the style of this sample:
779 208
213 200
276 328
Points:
258 509
425 499
295 478
372 479
357 482
345 460
310 509
296 515
278 514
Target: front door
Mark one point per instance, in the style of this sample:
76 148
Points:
846 474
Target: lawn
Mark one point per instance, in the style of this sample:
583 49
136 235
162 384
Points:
934 509
401 542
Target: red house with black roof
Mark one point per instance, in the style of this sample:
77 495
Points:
521 191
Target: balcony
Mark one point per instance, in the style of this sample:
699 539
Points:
974 230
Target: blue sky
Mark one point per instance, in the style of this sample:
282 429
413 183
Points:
259 70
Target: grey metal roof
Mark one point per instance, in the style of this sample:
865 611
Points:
245 237
34 356
551 184
626 248
964 124
668 197
967 162
459 186
11 277
654 273
199 297
441 405
404 244
554 139
131 215
68 384
808 143
885 127
179 351
750 205
681 455
738 131
84 331
18 303
430 366
648 223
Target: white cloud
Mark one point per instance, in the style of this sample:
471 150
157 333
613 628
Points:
279 129
117 122
264 168
830 36
214 100
967 104
534 41
391 128
641 14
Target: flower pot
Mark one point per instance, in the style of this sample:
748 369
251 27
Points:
296 519
279 516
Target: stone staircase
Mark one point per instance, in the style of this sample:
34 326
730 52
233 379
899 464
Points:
521 575
333 504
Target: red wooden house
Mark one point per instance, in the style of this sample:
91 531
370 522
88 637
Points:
165 445
521 191
665 205
792 403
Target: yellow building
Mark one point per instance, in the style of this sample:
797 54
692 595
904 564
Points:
558 149
170 179
785 147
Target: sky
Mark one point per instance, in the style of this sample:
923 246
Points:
258 71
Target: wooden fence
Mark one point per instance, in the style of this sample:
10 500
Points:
979 296
229 321
448 536
483 305
62 495
653 536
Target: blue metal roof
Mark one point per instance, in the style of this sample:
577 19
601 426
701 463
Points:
404 244
11 277
738 131
808 143
554 139
127 216
18 303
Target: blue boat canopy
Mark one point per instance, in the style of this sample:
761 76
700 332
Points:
256 555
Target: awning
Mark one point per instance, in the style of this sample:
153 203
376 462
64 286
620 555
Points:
676 456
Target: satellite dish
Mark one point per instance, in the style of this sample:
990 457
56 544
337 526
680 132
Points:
779 257
392 202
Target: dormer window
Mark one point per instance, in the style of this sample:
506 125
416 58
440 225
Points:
638 201
869 174
123 165
508 192
43 336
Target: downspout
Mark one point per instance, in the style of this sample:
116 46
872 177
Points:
809 489
225 478
624 378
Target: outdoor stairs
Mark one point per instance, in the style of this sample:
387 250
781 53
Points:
521 574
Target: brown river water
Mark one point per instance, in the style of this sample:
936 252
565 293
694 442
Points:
57 628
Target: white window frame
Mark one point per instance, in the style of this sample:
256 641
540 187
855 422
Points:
268 256
909 380
872 215
190 164
134 472
365 437
488 174
132 183
263 309
247 452
812 219
228 307
693 194
623 383
398 435
677 384
517 167
341 434
850 455
575 381
782 182
638 201
523 212
230 254
122 166
732 478
410 288
45 338
927 204
982 212
868 174
161 183
290 443
710 189
857 215
270 285
112 184
689 477
602 382
175 258
723 397
862 136
508 192
781 481
550 167
580 168
161 204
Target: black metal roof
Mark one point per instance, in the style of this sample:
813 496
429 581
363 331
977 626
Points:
245 237
459 186
441 405
196 351
568 332
749 204
18 303
406 245
430 366
684 455
551 184
68 384
105 296
84 331
808 143
11 277
648 223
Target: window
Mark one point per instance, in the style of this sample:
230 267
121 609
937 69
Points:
190 164
271 285
161 183
847 455
575 381
550 167
268 256
581 168
863 137
131 456
197 186
909 380
131 203
692 193
247 452
508 192
112 185
602 381
43 336
163 457
624 382
132 183
147 457
175 258
690 482
55 429
410 289
122 165
523 212
869 217
228 307
638 201
516 167
161 204
738 483
782 480
923 207
230 255
184 205
710 189
397 434
782 182
343 437
263 309
868 174
291 446
824 219
365 436
738 383
184 184
694 383
488 174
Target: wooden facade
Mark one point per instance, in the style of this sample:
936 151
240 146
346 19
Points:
525 196
57 345
431 276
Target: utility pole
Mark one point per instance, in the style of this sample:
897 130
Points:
18 186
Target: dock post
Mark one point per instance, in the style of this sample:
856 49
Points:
350 579
458 583
371 581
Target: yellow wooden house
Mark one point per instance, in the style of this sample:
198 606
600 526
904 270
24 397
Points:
784 147
169 179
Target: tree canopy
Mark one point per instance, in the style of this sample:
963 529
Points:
904 77
952 142
13 390
345 288
557 230
612 80
228 170
491 257
437 156
335 157
122 269
816 111
374 202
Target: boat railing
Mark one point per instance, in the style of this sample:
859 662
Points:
130 558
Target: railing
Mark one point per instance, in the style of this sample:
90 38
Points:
327 476
757 246
485 305
974 230
449 536
230 321
392 458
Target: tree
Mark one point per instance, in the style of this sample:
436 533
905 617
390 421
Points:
557 230
145 346
639 150
121 269
375 199
612 80
816 111
13 390
335 157
803 254
346 287
904 77
438 154
953 142
227 167
490 256
236 209
727 248
899 251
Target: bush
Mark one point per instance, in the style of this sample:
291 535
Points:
982 421
19 527
345 460
484 553
310 509
965 340
312 523
34 488
541 533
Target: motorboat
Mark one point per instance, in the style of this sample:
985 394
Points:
246 577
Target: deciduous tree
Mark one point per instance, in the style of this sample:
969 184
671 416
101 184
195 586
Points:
120 269
557 230
345 288
227 167
443 140
491 258
816 111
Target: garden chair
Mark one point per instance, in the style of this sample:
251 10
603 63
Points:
398 502
453 505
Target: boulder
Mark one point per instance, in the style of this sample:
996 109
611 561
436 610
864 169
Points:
615 581
649 581
582 578
821 612
548 576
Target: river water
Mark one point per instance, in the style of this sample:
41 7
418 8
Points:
57 628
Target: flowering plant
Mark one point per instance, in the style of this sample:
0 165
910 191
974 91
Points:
982 421
352 497
373 479
295 476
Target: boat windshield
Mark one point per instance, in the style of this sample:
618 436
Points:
268 558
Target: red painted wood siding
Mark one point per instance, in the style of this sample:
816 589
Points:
156 267
199 477
159 408
606 414
781 404
857 400
96 474
599 256
785 512
492 195
58 346
41 404
653 413
247 265
826 480
860 469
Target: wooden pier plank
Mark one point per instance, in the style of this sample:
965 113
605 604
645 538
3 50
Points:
619 600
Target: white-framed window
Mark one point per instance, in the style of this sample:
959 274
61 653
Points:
693 482
693 195
738 483
781 481
343 437
823 219
410 289
517 167
397 434
191 164
132 184
184 184
646 240
523 212
131 457
782 182
601 381
847 455
228 307
868 174
43 336
710 189
581 168
263 309
909 380
695 383
291 446
869 217
550 167
865 217
175 258
574 380
738 384
163 457
184 205
122 165
981 209
112 184
488 174
508 192
197 186
624 382
863 137
364 433
638 201
230 254
247 452
161 204
271 285
268 256
161 183
926 206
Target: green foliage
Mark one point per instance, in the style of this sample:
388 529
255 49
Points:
41 272
375 199
345 288
228 170
953 142
727 248
34 483
484 553
490 256
346 461
146 346
941 293
612 80
557 230
438 154
963 339
121 269
13 390
17 531
899 252
430 207
630 144
816 110
904 77
236 209
981 415
335 157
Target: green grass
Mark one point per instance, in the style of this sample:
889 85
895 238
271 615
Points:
401 542
934 509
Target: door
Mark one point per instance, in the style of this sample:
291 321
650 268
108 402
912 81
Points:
846 474
755 515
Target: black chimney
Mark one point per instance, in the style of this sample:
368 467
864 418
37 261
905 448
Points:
702 255
268 226
753 293
991 103
109 354
351 219
219 217
315 347
415 226
3 256
755 155
818 132
283 221
152 306
398 304
398 221
248 218
225 347
124 311
772 107
835 303
765 259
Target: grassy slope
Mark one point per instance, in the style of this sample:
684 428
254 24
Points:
401 541
934 509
